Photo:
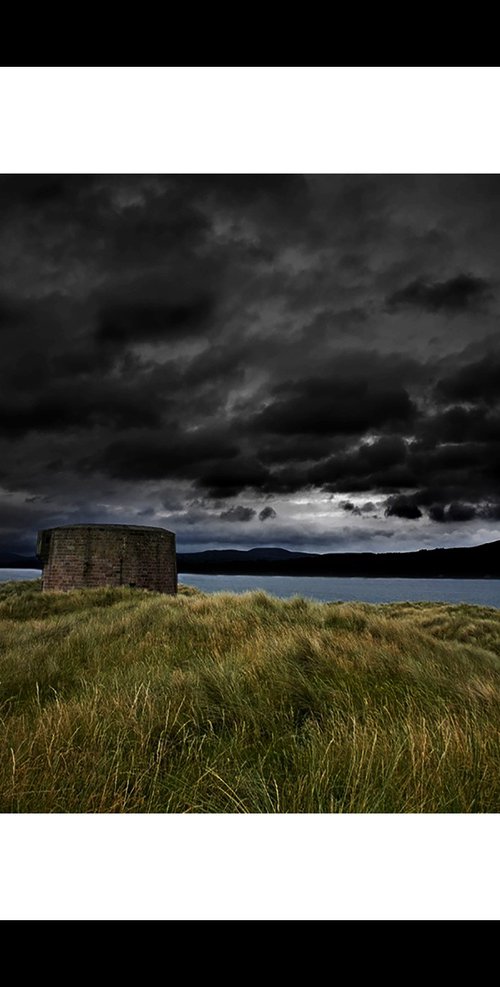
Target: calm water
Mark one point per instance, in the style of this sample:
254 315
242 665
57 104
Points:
482 591
7 574
327 588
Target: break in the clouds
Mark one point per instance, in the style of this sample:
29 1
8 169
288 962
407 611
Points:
305 361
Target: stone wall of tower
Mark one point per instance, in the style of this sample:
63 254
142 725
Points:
80 556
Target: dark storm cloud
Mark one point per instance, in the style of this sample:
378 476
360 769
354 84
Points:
238 513
68 407
404 507
154 322
466 427
476 383
453 512
278 207
160 455
39 193
455 295
190 340
12 313
227 479
365 508
382 463
349 321
277 450
314 406
267 513
351 399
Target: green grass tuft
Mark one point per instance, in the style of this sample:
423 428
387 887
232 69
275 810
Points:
119 700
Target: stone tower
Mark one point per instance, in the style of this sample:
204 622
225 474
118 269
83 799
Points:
90 555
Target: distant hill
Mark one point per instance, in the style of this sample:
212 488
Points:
222 554
9 560
478 562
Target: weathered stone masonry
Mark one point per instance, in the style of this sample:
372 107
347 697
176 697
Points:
88 555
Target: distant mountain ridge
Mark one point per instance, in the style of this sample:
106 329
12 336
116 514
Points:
250 553
479 561
10 560
476 562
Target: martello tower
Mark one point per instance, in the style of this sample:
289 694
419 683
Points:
89 555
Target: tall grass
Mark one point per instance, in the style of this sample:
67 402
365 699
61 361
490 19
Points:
118 700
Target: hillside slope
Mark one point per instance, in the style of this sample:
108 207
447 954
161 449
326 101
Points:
119 700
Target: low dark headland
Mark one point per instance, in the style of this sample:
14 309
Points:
478 562
123 700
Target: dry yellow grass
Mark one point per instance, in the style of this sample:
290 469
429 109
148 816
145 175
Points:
126 701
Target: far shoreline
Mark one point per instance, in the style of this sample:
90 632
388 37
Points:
293 575
475 562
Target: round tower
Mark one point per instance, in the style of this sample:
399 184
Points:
80 556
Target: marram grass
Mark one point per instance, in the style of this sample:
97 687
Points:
118 700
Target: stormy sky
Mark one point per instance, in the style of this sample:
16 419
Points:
304 361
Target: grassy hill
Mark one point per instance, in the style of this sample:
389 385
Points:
119 700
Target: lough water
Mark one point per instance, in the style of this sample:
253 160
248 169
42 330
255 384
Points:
7 574
332 588
356 588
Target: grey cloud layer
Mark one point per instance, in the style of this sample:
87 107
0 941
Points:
239 338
